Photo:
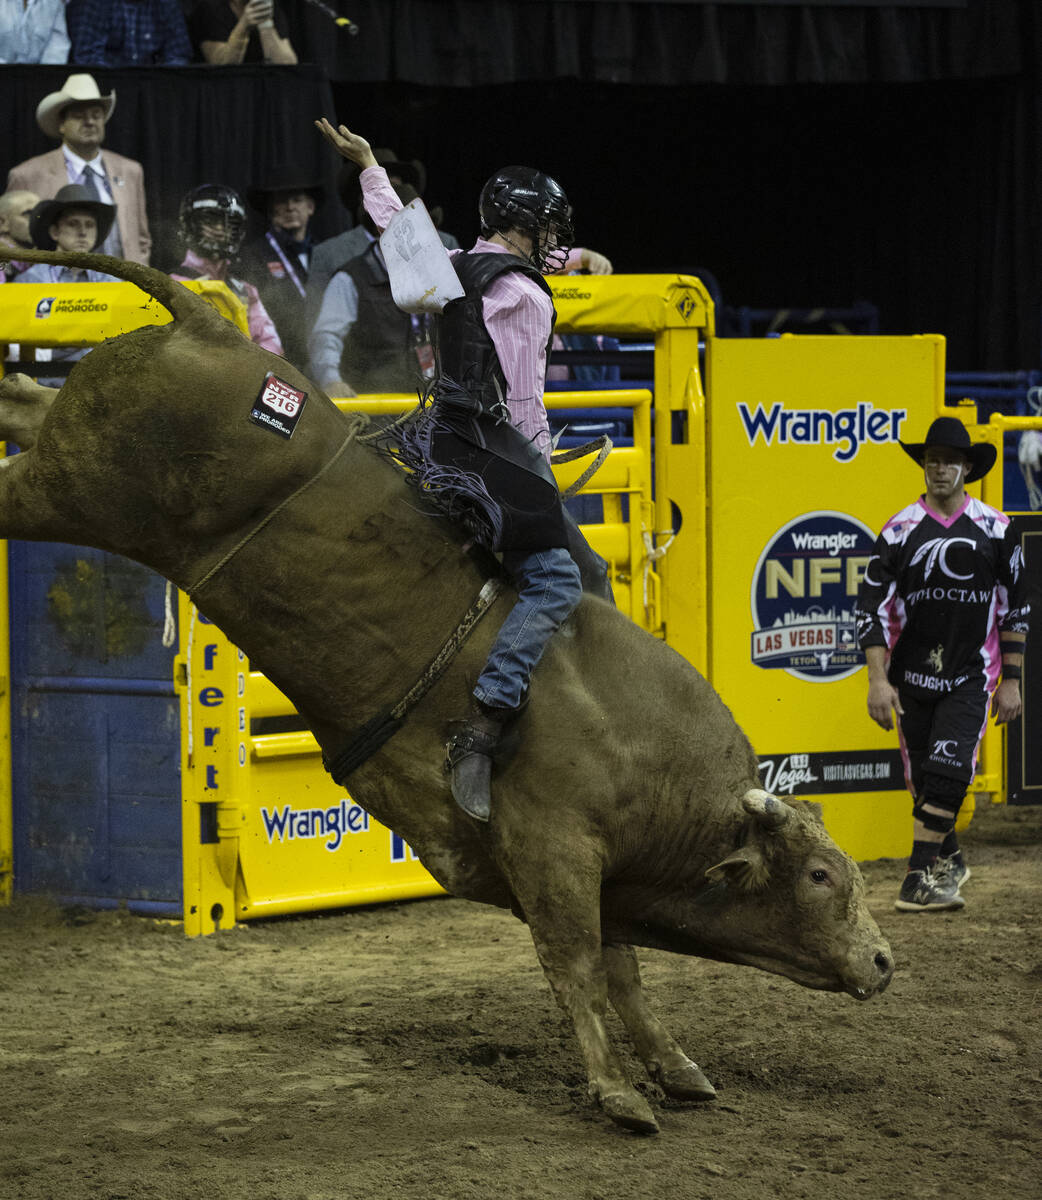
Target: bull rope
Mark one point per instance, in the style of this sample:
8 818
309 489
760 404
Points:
368 738
603 446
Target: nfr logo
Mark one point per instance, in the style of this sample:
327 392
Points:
44 306
802 596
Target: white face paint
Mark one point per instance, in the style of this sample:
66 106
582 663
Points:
944 471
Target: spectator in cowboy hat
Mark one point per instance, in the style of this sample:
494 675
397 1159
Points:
332 254
73 220
277 263
76 116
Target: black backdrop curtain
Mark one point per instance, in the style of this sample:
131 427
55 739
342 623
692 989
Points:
920 197
463 43
187 126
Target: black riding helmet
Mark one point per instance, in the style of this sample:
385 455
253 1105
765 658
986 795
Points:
526 199
219 207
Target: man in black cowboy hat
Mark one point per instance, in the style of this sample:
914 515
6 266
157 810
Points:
277 263
942 612
73 220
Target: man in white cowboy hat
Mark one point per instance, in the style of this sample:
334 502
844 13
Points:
942 613
76 116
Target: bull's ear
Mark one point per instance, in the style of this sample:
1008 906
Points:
815 810
745 867
769 811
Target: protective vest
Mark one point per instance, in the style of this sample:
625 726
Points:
379 352
484 470
467 354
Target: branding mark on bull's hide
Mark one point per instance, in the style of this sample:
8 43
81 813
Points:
278 407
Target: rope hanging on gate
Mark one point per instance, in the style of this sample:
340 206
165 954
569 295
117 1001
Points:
652 554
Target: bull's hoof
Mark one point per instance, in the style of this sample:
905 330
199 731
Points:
631 1111
686 1083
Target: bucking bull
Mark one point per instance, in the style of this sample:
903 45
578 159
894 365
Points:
633 813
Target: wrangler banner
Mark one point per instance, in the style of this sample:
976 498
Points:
805 467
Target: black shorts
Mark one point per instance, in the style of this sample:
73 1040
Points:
941 733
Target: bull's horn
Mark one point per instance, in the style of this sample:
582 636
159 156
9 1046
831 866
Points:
768 810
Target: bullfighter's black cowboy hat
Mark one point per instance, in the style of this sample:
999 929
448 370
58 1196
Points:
283 182
951 433
73 195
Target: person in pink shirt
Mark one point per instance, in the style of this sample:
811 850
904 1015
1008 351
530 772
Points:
213 224
480 446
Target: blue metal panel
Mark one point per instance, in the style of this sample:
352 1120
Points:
95 729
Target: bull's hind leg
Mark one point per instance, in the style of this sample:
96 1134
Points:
666 1063
23 406
560 898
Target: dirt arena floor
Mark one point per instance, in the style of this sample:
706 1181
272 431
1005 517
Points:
414 1051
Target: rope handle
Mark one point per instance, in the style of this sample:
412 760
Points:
603 446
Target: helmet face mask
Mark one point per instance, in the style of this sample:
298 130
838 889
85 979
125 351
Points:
213 220
523 199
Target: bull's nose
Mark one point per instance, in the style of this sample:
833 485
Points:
885 965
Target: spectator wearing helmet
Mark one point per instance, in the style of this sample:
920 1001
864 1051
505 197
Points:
481 447
73 220
212 223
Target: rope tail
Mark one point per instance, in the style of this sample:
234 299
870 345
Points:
180 302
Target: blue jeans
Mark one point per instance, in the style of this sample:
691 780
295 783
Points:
549 587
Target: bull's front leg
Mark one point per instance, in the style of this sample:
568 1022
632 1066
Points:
666 1063
23 406
560 898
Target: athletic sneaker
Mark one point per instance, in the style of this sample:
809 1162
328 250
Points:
923 891
952 868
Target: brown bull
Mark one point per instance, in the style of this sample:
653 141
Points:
632 816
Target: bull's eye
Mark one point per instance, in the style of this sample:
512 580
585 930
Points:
820 876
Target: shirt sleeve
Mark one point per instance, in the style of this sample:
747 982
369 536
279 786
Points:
1014 606
380 199
518 316
574 262
338 312
262 328
177 48
875 598
56 49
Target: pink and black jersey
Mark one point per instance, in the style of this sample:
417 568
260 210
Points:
938 592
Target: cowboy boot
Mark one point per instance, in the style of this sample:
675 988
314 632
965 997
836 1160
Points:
469 755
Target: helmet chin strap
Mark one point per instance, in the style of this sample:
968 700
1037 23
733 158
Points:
527 255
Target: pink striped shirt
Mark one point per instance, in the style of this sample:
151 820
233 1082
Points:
518 315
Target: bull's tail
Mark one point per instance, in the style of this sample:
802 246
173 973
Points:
181 302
